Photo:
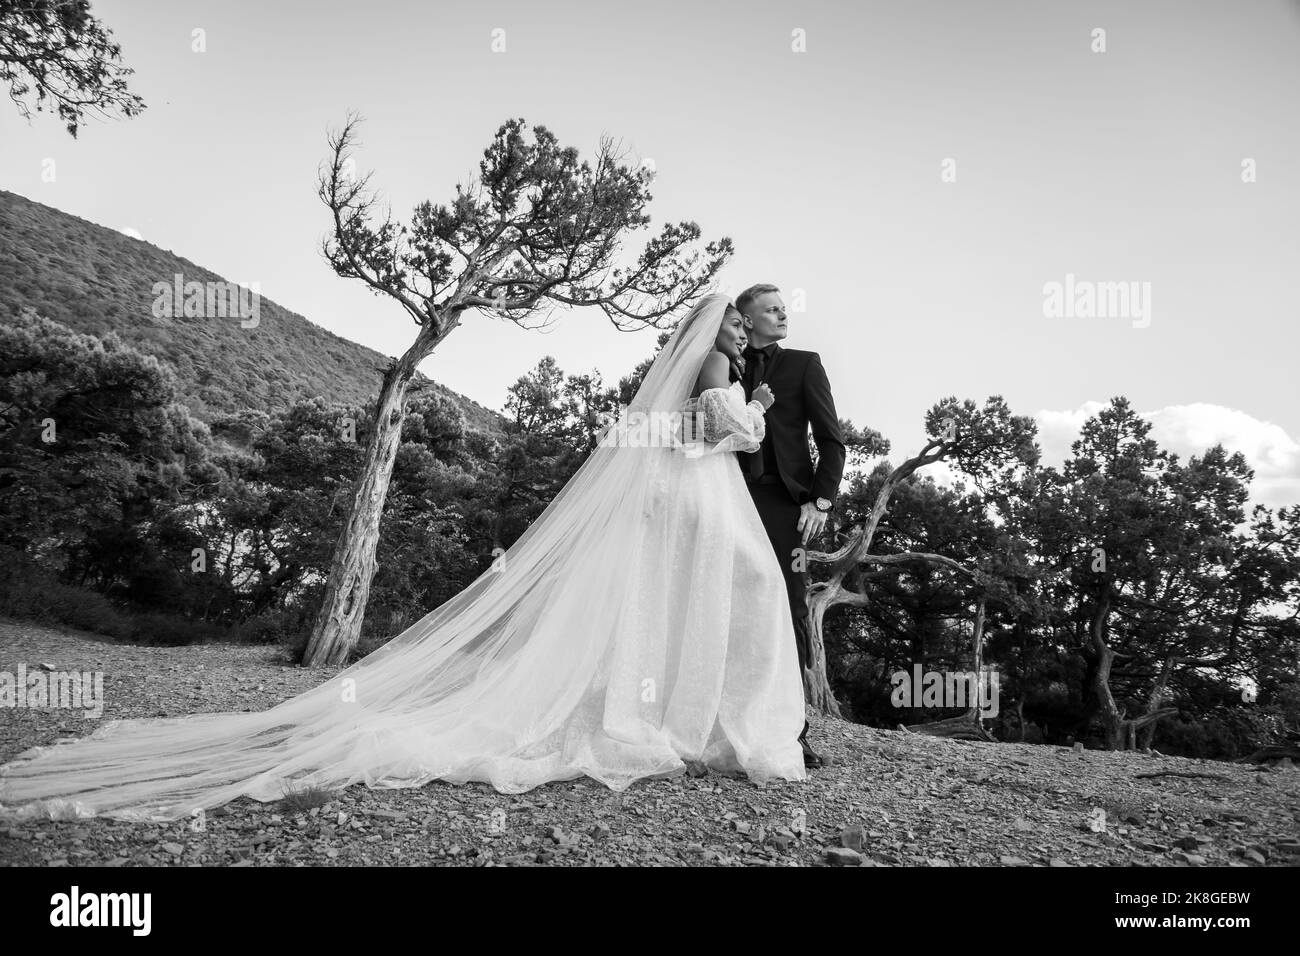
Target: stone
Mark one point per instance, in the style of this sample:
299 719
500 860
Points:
853 838
843 856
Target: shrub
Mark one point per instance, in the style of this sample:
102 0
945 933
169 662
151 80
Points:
32 593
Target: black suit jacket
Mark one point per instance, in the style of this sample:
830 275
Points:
803 399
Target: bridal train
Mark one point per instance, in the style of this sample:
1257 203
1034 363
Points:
639 623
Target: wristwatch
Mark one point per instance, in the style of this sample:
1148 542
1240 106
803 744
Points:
822 505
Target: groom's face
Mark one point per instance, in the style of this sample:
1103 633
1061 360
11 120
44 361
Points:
765 317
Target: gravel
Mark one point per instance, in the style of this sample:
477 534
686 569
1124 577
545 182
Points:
888 797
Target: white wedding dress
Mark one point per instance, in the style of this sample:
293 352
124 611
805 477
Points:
639 623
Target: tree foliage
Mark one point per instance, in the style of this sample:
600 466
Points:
55 54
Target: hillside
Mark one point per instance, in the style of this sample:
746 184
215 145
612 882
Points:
97 280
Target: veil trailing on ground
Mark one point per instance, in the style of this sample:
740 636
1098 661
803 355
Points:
456 696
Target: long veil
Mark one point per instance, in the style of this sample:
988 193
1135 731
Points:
504 662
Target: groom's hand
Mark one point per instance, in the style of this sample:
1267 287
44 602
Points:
811 521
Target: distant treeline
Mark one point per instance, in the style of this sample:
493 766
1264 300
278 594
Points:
122 513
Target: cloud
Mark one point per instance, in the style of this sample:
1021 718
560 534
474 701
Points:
1189 430
133 233
1057 431
1186 430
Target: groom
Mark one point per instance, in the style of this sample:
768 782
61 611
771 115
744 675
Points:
792 496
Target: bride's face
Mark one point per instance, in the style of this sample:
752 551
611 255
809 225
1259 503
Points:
732 337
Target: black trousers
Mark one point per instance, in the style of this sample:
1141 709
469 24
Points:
780 514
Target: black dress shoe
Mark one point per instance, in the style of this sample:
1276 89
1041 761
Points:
811 759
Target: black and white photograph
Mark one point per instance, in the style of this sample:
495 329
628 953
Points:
715 434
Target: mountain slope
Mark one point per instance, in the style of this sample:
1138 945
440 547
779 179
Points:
97 280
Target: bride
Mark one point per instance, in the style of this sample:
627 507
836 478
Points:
640 622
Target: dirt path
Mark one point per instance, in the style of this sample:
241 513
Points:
898 798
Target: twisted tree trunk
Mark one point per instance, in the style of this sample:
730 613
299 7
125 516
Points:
1112 720
824 595
1147 725
816 685
1273 752
1131 728
965 726
338 626
1154 701
970 725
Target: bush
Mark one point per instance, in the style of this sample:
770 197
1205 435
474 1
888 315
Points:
154 628
284 627
32 593
1212 739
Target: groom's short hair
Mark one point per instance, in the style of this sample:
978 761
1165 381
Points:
753 292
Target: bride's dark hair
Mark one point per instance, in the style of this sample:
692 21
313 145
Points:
736 366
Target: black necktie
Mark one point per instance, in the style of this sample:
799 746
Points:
755 366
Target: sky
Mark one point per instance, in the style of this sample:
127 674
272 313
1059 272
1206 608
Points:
916 174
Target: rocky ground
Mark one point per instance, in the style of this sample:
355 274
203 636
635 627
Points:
888 798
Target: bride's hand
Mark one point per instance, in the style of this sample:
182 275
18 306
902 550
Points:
763 395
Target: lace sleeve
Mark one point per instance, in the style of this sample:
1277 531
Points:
726 424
